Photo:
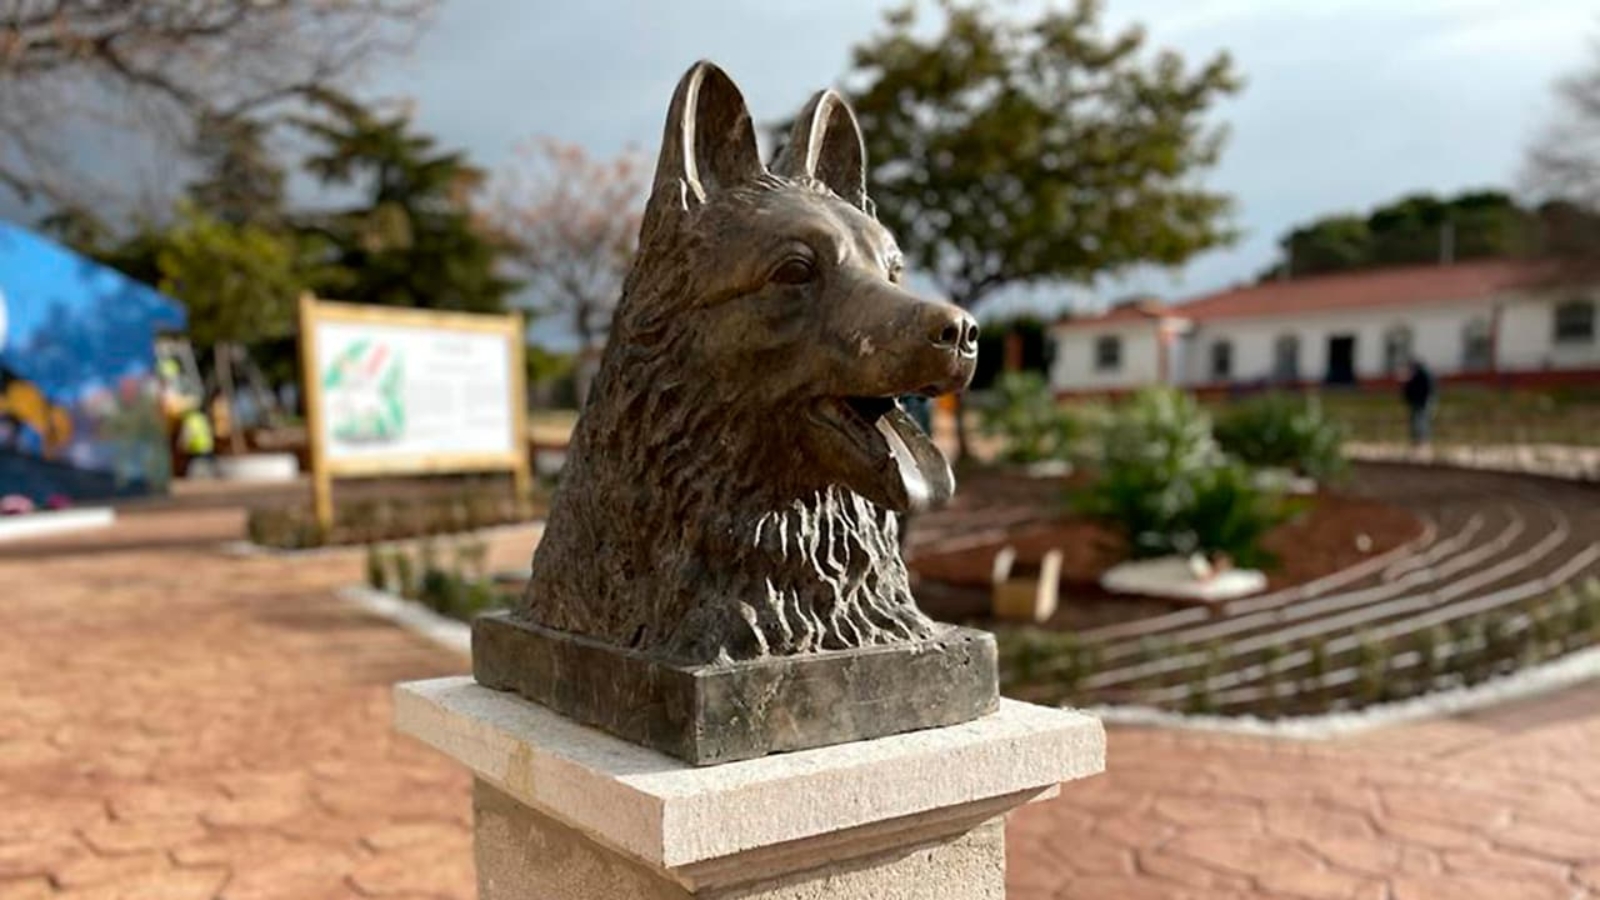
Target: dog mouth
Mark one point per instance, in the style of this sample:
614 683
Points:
890 461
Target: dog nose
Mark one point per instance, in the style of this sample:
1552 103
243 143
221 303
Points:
956 331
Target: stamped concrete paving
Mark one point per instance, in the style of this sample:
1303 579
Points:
1501 804
176 723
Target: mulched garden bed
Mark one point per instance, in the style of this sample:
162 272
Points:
954 584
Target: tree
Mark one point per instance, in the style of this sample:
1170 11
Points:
238 282
1005 152
1562 171
574 223
1333 244
244 180
156 68
1416 229
414 240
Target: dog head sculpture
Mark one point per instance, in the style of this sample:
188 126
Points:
733 482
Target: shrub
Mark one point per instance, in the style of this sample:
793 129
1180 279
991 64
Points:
1272 674
1372 662
1316 666
439 590
363 522
1284 431
284 529
1165 483
1033 657
1023 413
472 557
376 577
404 575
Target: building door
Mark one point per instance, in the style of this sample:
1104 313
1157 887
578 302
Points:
1341 359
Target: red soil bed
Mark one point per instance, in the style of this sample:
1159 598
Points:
1326 537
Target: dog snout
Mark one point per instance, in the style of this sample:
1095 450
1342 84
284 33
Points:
953 330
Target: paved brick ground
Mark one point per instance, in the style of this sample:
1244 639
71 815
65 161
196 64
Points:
178 724
175 724
1503 804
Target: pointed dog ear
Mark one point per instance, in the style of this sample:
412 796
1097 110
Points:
825 143
709 143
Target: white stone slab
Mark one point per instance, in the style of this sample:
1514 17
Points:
258 467
57 521
1174 576
670 814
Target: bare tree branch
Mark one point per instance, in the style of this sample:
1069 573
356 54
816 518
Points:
167 63
574 222
1563 172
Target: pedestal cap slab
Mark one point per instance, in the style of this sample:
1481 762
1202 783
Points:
670 814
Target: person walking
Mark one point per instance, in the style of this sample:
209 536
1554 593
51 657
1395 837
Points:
1419 394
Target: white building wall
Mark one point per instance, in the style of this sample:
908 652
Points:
1074 368
1527 336
1525 342
1437 337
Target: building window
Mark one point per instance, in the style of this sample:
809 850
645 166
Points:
1107 353
1286 357
1396 349
1222 360
1575 322
1477 348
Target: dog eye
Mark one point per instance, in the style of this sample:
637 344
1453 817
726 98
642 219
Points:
794 271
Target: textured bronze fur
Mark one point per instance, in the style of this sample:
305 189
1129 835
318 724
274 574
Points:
726 497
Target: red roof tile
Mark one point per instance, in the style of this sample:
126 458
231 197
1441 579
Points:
1371 289
1147 311
1405 286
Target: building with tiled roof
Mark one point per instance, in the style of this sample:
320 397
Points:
1490 320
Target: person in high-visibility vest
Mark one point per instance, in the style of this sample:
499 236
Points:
196 439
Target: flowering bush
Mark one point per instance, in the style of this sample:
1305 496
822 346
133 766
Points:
1167 485
1025 415
1284 431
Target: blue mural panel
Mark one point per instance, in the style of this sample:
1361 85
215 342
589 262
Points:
80 413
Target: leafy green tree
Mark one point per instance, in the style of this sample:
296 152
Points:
414 239
1491 225
1416 229
1006 151
244 179
1333 244
239 282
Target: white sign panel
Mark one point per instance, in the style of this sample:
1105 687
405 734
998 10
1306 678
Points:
404 391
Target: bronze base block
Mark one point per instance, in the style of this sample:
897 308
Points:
709 714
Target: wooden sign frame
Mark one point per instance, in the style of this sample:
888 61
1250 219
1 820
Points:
323 470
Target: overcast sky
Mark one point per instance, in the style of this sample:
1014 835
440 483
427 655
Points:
1348 102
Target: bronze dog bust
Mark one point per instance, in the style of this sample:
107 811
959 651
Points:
720 576
732 481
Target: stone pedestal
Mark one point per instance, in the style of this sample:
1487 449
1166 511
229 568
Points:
565 812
